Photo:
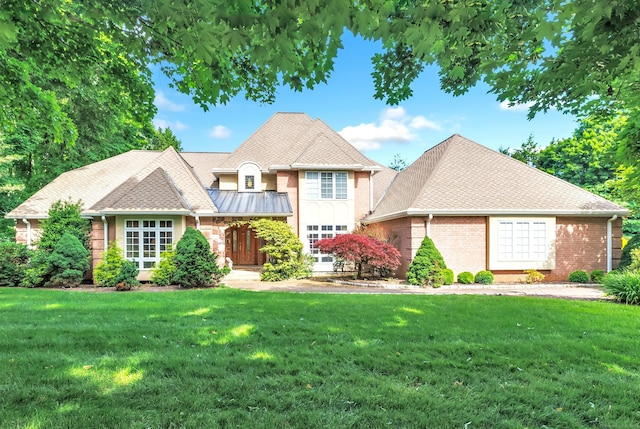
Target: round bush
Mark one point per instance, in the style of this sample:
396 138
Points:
596 276
579 276
465 277
448 276
484 277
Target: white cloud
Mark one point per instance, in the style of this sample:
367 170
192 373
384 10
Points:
394 126
175 126
394 113
220 132
420 122
163 102
505 105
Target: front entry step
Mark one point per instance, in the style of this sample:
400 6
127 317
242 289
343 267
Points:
243 274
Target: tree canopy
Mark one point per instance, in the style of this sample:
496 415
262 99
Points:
553 53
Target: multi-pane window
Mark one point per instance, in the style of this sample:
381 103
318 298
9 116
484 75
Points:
318 232
326 185
522 241
146 239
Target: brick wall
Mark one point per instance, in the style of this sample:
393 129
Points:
581 244
462 241
287 181
21 231
401 234
362 194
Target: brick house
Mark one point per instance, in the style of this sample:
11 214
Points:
483 209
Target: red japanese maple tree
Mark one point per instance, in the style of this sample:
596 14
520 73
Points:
362 250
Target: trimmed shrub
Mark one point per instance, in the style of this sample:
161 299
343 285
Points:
426 268
533 276
64 218
107 271
68 262
625 257
623 285
195 262
362 250
14 258
285 250
448 276
466 278
579 276
484 277
162 274
596 276
128 276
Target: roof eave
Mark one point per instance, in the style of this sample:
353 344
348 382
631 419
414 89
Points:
439 212
112 212
253 214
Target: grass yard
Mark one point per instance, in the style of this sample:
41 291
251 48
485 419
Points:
229 358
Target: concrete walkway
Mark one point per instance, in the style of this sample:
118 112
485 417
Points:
252 282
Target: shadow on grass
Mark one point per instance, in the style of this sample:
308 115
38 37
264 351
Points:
217 358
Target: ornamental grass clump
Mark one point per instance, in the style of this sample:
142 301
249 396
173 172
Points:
623 285
427 266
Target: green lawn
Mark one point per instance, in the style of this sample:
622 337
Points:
228 358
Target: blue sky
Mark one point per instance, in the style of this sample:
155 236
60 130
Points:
347 105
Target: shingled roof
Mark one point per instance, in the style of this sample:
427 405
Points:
137 180
461 177
295 141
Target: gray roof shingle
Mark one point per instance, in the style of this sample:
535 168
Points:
459 176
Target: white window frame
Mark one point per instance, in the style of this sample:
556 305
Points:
327 185
520 243
146 239
318 232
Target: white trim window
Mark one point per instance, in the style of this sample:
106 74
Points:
522 243
326 185
318 232
145 240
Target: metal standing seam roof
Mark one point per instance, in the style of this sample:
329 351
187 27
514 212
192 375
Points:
461 177
267 203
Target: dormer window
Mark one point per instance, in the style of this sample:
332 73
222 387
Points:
249 177
249 182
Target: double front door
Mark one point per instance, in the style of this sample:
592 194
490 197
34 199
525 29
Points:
242 246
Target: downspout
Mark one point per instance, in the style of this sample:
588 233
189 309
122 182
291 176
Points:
428 224
105 232
371 192
610 243
28 232
197 222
